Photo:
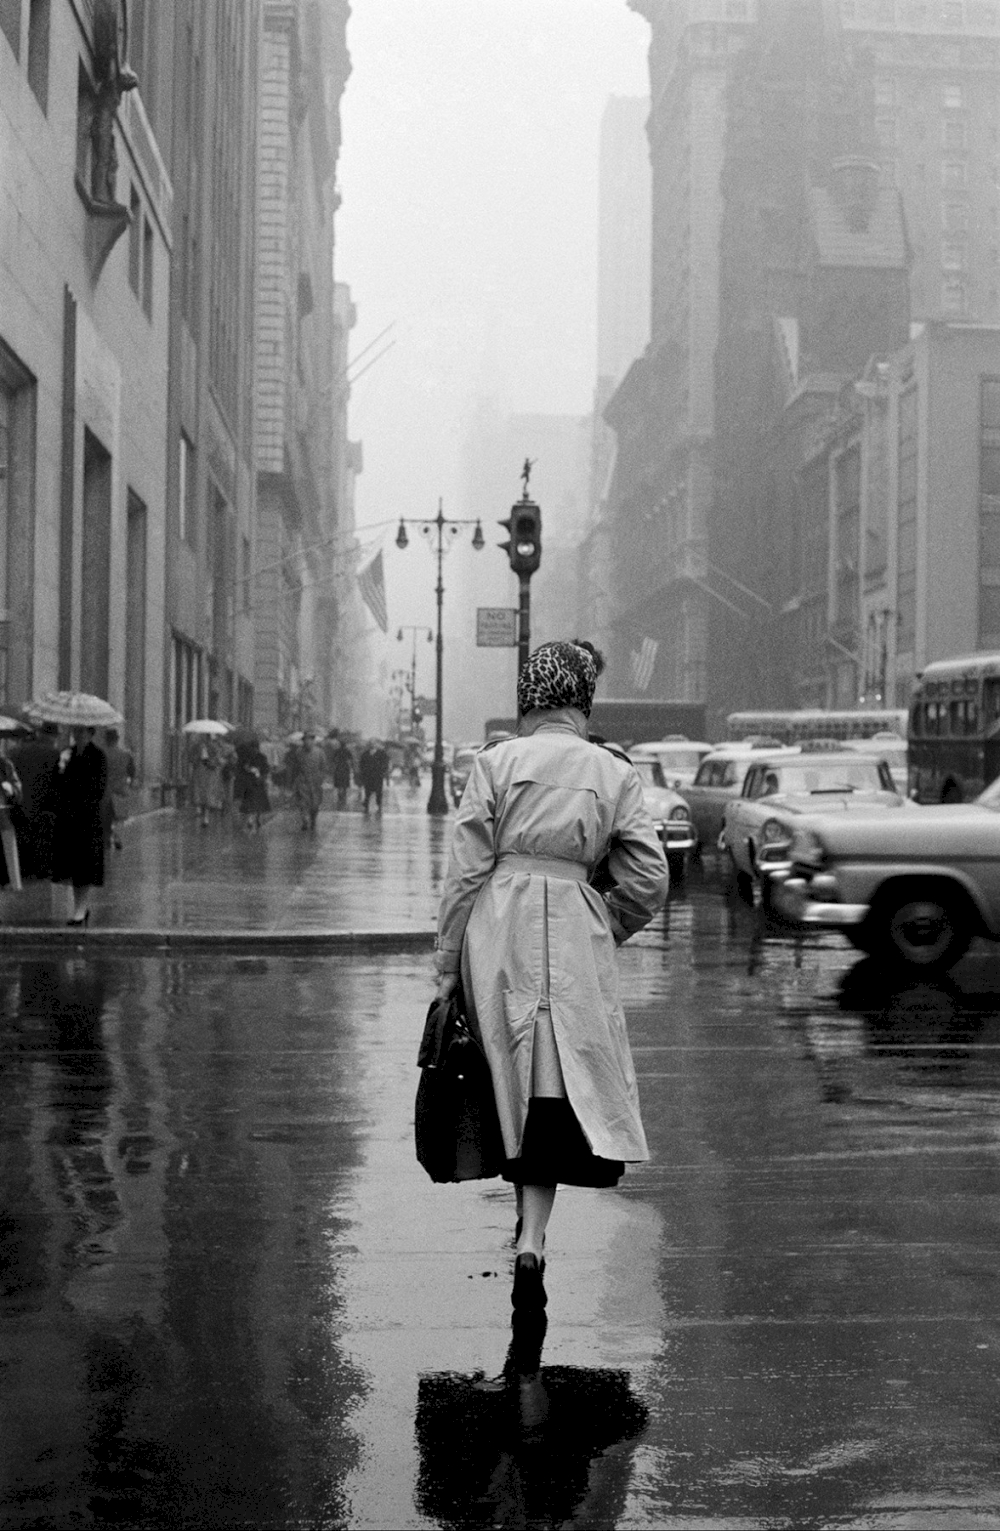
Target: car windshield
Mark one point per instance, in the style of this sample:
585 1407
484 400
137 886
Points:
829 776
650 773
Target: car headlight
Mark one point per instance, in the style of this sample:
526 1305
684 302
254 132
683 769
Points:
773 832
808 848
679 812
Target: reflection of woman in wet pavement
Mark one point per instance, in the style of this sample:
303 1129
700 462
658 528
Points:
534 1447
536 942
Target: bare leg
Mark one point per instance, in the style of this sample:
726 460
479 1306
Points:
536 1209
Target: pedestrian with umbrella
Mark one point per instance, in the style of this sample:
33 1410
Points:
81 783
534 940
207 761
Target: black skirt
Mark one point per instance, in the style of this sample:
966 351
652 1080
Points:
554 1150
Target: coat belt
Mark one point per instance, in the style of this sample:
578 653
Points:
545 866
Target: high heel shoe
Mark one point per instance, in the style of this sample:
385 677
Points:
79 923
528 1290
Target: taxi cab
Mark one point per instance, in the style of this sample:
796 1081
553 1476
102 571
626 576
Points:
719 780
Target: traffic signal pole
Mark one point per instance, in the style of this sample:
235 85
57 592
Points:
524 551
524 622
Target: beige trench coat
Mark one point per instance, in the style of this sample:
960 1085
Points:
526 937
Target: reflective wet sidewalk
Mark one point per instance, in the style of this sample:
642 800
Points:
355 874
231 1297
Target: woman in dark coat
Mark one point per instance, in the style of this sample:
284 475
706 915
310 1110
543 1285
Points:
250 785
78 834
37 764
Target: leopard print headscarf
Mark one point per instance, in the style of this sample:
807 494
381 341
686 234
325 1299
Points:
557 675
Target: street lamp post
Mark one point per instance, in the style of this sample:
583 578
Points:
436 532
408 627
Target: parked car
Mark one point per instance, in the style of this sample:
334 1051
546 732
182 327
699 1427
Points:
679 758
758 826
669 814
912 887
461 769
719 779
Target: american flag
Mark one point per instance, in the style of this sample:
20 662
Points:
371 583
643 663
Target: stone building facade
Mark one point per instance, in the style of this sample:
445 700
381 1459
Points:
302 72
916 86
86 231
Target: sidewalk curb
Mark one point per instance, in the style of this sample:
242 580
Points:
13 937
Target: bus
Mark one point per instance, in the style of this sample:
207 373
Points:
849 724
955 729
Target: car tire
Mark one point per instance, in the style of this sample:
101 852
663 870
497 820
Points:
925 927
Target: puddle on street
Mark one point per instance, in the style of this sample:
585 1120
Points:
231 1296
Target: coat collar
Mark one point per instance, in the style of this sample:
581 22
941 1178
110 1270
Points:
561 719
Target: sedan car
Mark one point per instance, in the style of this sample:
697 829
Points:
720 778
461 769
679 758
669 814
909 887
758 825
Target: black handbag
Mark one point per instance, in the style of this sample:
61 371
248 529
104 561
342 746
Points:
456 1126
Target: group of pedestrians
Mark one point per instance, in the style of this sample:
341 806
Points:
63 798
240 777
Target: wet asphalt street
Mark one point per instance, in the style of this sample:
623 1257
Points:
232 1298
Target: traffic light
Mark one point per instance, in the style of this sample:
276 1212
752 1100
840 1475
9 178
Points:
524 549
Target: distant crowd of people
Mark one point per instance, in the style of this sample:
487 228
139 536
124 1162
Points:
63 797
240 776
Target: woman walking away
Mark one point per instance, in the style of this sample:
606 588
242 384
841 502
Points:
78 835
250 787
535 941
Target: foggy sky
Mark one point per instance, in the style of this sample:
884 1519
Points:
469 181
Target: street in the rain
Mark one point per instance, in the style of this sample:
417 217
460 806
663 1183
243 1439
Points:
232 1297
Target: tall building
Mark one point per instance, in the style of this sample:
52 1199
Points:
916 84
211 489
303 67
86 227
623 237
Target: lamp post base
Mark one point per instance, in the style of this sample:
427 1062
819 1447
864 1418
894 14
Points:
438 800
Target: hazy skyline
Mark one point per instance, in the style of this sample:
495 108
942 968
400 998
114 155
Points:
469 176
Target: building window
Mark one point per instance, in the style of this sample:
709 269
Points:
134 241
885 132
186 491
147 268
17 526
906 522
885 90
953 296
989 511
954 174
955 217
953 257
38 51
952 98
953 134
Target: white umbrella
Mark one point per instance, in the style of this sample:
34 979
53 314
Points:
205 726
74 709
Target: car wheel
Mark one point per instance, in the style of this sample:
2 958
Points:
677 867
926 929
